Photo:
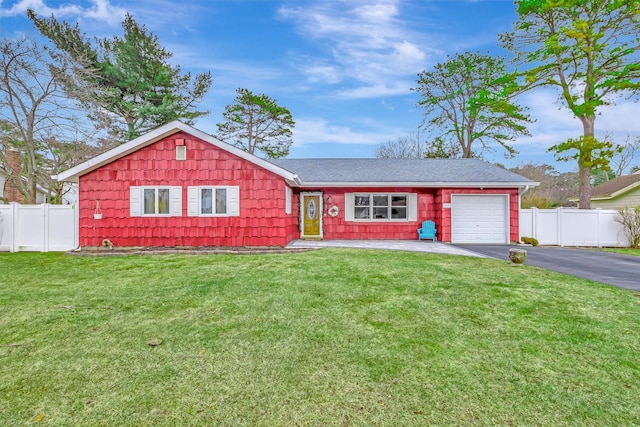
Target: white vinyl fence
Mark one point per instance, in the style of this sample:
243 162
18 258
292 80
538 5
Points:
38 228
573 227
49 228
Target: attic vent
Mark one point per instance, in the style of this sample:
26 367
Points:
181 152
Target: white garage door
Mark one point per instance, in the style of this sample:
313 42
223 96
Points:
479 219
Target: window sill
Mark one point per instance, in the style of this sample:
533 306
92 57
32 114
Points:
380 220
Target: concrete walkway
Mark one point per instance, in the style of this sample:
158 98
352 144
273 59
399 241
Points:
393 245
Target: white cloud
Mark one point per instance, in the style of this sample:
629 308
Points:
390 89
40 8
555 123
379 12
321 72
320 131
623 117
408 55
100 10
369 43
171 16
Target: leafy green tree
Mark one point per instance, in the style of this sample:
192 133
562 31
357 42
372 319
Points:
469 99
257 124
592 155
126 84
441 149
588 49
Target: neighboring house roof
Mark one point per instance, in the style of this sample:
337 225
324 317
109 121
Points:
616 186
333 172
399 172
72 175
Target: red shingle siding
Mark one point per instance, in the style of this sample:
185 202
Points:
336 228
262 220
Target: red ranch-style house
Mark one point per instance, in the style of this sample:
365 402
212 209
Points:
178 186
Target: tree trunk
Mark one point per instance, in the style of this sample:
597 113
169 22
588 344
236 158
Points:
584 162
33 191
466 145
585 187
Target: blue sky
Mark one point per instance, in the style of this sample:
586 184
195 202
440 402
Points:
344 68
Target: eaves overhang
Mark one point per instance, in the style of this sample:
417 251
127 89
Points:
378 184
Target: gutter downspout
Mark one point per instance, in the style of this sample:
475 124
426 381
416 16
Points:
526 188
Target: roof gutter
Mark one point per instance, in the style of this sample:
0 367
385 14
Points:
422 184
294 181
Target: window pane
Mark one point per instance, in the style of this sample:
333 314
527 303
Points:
206 201
380 206
163 200
399 213
379 213
221 200
399 200
361 200
361 213
149 201
381 200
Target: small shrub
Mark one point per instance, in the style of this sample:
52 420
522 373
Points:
529 241
535 201
629 218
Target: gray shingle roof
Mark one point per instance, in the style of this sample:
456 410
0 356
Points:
620 183
423 171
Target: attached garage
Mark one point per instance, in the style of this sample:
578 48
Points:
480 218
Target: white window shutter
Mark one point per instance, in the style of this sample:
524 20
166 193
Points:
135 201
287 203
175 201
193 199
412 207
348 207
233 198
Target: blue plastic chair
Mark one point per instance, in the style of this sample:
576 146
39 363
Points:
428 231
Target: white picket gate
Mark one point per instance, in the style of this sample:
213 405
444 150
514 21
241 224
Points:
573 227
38 228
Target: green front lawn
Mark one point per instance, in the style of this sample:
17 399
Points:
330 337
625 251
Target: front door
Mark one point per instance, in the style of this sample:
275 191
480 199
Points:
311 215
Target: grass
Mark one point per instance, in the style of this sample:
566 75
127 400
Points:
624 251
330 337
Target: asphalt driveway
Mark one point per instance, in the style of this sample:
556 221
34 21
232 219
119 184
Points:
613 269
